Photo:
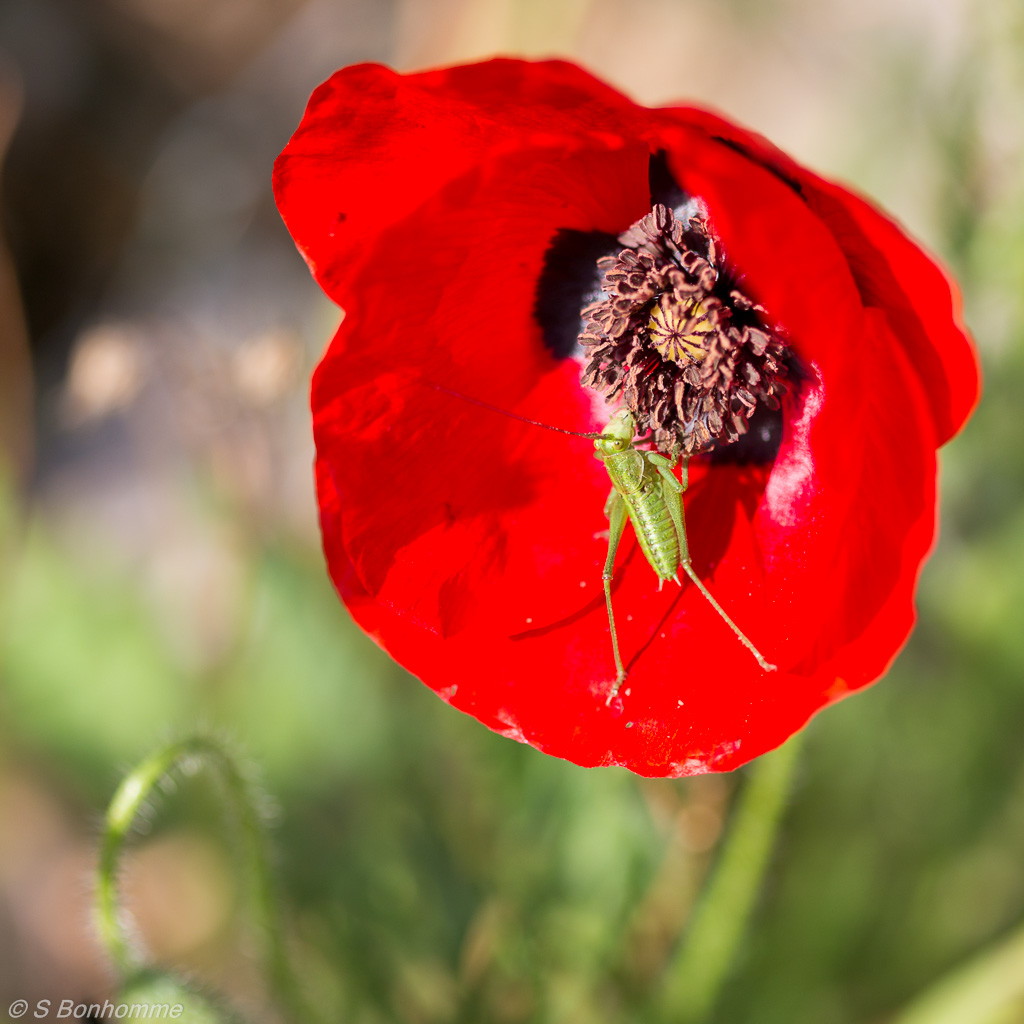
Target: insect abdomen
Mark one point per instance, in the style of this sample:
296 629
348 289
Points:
654 529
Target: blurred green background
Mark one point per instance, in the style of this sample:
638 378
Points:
160 572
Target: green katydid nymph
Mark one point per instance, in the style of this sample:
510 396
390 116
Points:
645 492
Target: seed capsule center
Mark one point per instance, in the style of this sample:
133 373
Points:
679 331
676 339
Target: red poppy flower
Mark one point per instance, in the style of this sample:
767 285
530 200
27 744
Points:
457 217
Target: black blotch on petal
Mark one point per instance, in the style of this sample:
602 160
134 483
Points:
758 446
664 188
569 280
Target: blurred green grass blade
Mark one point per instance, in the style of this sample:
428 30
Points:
987 990
695 975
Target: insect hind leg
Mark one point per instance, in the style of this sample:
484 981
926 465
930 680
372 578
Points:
676 510
761 659
615 509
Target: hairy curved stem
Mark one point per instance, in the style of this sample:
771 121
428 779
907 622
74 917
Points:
245 802
696 973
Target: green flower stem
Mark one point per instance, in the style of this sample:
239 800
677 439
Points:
696 973
244 801
987 990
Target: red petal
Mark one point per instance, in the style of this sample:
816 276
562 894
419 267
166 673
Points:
892 272
920 302
375 145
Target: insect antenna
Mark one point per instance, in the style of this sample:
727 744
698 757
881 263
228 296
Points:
513 415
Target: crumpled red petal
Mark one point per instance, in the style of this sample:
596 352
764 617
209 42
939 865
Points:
470 545
374 145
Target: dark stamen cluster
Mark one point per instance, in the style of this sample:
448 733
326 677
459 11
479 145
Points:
687 351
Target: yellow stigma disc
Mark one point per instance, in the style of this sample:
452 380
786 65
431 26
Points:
677 330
